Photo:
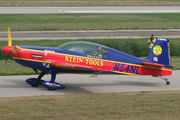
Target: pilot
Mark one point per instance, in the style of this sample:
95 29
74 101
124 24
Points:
98 51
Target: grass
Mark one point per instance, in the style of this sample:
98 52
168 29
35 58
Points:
21 22
176 61
13 68
162 105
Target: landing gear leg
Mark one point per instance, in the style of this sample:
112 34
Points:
51 85
164 78
40 76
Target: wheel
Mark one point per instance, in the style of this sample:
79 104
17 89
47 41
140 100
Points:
167 83
34 85
51 89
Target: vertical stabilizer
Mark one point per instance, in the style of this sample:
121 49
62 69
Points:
160 53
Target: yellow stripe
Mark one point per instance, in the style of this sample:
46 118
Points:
97 59
125 73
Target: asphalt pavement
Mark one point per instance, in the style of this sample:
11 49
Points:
100 9
89 34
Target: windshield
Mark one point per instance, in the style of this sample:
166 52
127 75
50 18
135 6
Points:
89 48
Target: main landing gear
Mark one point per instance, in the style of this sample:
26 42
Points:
50 85
164 78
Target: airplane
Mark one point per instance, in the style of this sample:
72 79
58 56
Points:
88 57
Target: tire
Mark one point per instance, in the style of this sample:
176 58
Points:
34 85
51 89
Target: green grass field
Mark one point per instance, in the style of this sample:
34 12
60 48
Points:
38 22
162 105
13 68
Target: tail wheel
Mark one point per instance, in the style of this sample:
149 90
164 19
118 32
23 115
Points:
167 83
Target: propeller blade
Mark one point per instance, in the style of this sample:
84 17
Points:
5 61
9 37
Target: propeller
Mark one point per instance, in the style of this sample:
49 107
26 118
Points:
9 44
11 50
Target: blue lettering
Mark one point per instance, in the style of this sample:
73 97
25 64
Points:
127 68
116 67
133 68
137 70
122 67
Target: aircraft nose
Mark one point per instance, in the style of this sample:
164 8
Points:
7 50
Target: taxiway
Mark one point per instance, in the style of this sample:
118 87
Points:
89 34
103 9
15 86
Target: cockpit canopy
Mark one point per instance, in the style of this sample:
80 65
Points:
88 48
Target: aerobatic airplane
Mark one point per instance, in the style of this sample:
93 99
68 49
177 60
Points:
88 57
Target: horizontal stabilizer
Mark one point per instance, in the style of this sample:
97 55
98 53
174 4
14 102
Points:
61 65
157 65
152 64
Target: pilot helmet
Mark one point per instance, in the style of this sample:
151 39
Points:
98 48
